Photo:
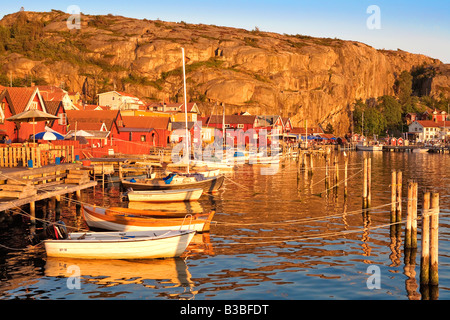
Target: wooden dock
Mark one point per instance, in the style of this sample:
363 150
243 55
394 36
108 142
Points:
46 182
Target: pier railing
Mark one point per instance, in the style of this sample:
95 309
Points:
18 155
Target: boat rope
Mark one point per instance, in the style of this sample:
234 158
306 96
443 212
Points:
307 237
305 220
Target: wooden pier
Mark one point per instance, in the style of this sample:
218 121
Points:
42 183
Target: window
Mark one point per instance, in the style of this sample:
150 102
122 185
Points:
240 126
142 138
34 105
227 125
62 119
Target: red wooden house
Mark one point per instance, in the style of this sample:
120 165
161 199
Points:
6 127
235 121
24 99
146 130
102 125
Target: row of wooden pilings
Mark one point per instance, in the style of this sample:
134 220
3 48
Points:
429 275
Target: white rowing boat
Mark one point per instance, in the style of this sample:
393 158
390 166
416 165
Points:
165 195
121 245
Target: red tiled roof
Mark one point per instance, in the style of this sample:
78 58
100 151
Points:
20 97
92 116
431 123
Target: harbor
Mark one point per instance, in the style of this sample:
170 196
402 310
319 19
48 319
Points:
287 234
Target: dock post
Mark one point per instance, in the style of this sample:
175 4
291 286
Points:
365 184
326 170
311 165
414 215
369 181
393 199
399 197
425 258
434 239
336 169
409 214
57 207
78 202
33 212
345 176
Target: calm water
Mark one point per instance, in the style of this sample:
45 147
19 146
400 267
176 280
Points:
275 237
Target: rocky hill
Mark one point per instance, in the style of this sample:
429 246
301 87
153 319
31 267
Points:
306 78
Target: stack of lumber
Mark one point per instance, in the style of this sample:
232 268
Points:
77 177
17 189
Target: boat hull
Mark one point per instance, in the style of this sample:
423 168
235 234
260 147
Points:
121 245
212 184
97 218
165 195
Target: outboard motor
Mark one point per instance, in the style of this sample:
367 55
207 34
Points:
56 231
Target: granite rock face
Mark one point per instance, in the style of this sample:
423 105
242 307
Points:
314 79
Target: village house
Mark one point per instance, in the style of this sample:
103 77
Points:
428 130
152 131
120 100
6 127
22 99
100 126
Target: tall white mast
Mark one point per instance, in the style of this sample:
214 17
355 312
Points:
185 112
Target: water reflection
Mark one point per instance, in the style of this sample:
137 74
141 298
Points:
283 236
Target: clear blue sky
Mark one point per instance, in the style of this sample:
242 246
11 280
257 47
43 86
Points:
414 26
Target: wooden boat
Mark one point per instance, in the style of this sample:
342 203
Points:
99 218
420 150
121 245
165 195
183 208
369 147
211 184
119 211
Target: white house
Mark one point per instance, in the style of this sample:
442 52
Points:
426 130
119 100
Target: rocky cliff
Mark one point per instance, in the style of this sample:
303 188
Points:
306 78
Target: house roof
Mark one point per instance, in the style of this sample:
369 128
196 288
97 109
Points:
431 123
52 93
52 106
229 119
145 122
301 130
21 98
86 119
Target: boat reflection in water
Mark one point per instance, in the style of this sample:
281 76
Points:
153 274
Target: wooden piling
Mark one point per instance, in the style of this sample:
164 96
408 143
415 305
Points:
393 195
311 165
425 258
369 181
434 238
57 200
345 176
409 214
399 197
365 184
33 212
336 169
415 195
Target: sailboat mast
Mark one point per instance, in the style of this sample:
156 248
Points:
185 111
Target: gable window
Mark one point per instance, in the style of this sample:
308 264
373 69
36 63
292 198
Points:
62 119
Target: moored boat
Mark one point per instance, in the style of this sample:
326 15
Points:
165 195
172 182
99 218
369 147
121 245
